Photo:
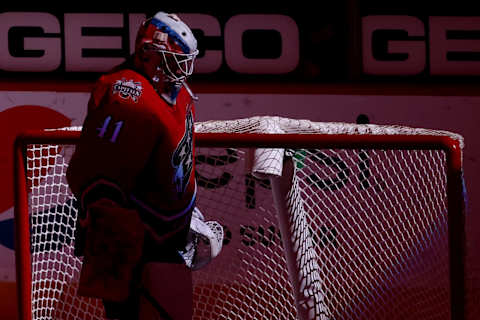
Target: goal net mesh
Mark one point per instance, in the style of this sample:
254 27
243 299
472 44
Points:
367 229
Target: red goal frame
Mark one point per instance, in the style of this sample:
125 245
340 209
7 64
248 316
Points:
455 190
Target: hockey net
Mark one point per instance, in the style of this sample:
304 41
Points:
321 221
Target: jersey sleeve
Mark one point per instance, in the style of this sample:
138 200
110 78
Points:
98 93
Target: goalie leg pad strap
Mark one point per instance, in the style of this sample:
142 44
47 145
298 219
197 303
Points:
113 248
167 292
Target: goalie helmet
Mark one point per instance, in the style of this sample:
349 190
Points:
168 46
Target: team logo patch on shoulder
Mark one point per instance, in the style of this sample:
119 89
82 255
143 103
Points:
128 89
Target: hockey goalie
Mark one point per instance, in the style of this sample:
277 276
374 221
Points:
133 172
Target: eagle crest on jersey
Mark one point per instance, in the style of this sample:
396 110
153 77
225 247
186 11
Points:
182 159
127 89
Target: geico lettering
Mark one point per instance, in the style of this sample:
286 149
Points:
398 45
235 29
95 42
50 45
235 57
76 43
47 50
443 49
409 48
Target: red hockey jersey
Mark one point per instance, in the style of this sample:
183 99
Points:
135 140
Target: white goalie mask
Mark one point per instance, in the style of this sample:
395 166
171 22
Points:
168 36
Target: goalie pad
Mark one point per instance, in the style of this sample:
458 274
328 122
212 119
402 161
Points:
113 248
166 293
205 241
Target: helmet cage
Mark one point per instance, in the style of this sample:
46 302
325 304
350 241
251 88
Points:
177 66
166 35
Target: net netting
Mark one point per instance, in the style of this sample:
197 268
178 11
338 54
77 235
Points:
363 233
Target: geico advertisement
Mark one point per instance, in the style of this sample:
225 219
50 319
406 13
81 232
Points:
408 45
95 42
249 44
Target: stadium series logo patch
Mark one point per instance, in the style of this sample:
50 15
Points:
128 89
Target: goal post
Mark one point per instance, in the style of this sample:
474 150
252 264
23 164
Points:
349 221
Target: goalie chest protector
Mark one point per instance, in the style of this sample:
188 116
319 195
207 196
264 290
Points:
133 138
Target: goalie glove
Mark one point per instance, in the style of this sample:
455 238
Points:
205 240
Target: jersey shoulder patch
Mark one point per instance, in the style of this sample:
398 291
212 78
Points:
127 89
127 85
